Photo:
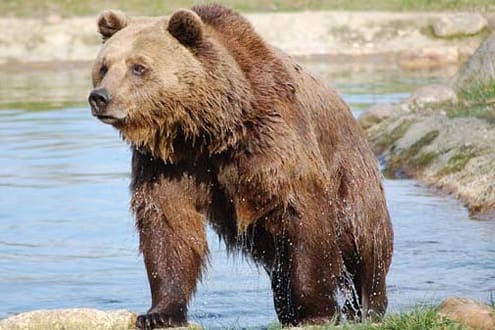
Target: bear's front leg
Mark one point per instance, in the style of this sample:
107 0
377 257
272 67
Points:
173 243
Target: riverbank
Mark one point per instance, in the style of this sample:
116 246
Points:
453 313
444 134
34 8
406 39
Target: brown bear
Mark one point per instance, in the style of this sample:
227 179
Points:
228 130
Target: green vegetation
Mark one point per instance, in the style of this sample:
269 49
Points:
479 111
476 101
411 159
458 161
424 159
389 139
479 94
421 318
418 145
159 7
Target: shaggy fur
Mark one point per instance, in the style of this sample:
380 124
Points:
225 129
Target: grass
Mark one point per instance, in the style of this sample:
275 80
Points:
420 318
35 8
476 101
479 94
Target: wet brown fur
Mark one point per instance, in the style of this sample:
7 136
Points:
232 132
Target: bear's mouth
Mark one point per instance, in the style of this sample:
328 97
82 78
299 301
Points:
108 119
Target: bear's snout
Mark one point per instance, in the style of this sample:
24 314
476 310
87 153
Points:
98 99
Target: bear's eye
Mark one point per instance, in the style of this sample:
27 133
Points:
138 69
103 70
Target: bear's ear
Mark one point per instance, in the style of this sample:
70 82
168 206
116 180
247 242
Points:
186 26
111 21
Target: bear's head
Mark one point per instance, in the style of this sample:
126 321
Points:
167 84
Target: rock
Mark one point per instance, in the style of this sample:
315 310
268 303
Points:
490 18
376 114
462 24
76 319
479 70
425 140
70 319
455 155
432 95
468 312
414 59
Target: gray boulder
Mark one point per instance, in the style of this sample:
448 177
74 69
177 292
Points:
462 24
432 95
479 70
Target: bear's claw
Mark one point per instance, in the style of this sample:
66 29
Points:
156 320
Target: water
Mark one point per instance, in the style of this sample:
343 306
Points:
67 238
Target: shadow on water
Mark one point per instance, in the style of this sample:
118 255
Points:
67 238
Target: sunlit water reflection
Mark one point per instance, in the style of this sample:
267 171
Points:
67 238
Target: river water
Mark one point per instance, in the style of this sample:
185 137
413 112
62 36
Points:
67 238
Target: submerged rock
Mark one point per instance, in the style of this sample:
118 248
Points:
468 312
461 24
75 319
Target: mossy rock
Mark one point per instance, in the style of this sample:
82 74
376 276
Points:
458 161
410 160
387 139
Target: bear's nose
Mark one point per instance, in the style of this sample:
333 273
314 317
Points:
98 99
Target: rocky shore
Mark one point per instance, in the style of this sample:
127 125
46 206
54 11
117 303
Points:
444 134
411 40
452 313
